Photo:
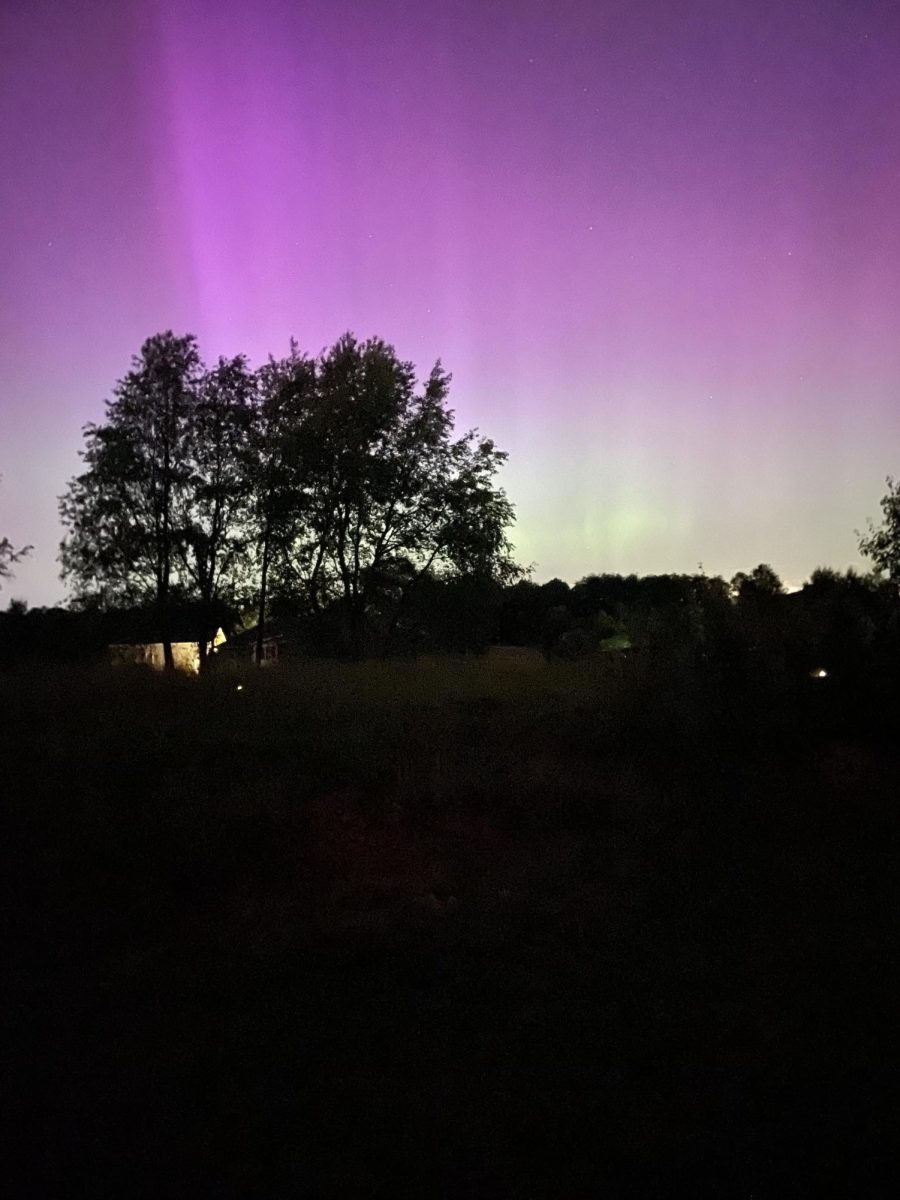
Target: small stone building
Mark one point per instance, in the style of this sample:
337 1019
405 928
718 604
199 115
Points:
143 646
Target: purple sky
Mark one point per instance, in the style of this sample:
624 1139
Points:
657 244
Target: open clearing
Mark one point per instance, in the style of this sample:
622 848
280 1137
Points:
443 928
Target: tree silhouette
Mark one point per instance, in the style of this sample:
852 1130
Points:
882 543
337 475
9 556
382 493
123 512
212 507
285 394
762 581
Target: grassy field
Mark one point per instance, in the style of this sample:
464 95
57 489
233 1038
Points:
451 928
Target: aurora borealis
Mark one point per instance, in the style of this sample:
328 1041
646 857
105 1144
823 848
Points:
656 244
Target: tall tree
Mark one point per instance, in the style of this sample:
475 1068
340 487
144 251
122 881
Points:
123 512
211 508
387 493
337 475
285 390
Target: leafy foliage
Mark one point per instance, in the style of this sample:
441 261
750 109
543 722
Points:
762 581
9 556
335 481
882 543
123 512
383 494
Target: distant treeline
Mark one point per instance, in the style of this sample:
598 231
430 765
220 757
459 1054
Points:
839 622
331 494
845 624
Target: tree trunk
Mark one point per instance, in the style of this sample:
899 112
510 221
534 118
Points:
203 652
168 657
206 625
261 618
164 624
356 632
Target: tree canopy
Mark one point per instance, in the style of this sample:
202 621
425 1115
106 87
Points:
382 493
336 480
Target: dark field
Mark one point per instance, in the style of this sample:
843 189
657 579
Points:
471 928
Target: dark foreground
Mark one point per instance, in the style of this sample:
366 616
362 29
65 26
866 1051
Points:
437 933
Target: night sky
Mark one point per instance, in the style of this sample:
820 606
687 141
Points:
656 243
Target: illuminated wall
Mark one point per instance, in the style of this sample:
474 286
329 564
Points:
186 655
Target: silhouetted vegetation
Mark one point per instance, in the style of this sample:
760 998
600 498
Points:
331 483
47 636
882 543
566 890
9 556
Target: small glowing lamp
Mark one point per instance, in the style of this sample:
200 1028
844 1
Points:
239 688
819 673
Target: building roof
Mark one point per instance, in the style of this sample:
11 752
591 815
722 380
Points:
276 630
142 627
